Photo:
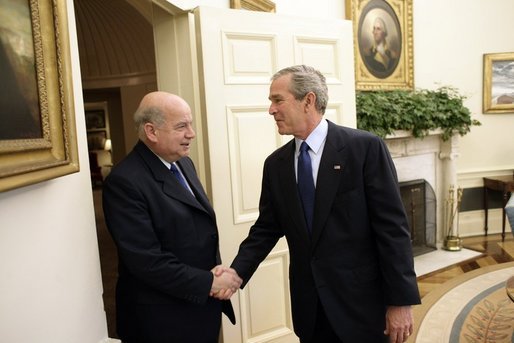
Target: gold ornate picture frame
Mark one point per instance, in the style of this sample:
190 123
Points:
38 141
253 5
383 43
498 87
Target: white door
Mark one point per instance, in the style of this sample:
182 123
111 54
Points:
238 52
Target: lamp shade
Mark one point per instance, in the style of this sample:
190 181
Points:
108 144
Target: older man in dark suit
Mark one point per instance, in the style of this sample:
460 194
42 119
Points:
333 193
165 230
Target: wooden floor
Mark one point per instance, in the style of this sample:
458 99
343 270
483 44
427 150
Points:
494 252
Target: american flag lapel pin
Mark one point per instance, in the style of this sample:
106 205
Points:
337 167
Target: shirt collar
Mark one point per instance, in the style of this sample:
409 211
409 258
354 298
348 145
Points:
166 163
316 139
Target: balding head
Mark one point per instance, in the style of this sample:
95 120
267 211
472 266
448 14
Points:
164 123
153 107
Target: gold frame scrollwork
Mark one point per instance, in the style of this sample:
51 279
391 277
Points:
382 68
253 5
25 161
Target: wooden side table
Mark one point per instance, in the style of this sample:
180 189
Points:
504 184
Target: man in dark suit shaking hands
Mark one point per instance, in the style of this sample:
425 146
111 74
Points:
351 267
165 230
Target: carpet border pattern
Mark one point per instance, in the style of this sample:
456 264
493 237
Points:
436 316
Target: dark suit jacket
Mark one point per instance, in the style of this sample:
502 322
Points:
359 258
167 243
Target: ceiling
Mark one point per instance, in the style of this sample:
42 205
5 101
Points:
115 41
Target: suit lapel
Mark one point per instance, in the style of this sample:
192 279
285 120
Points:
331 166
175 190
171 186
195 184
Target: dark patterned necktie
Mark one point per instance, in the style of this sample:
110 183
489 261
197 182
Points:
179 176
306 184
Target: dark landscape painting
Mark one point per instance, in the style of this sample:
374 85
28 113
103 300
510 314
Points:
19 105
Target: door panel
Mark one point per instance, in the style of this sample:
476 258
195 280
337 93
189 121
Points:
238 52
242 125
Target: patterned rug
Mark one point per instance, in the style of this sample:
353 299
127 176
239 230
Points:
471 308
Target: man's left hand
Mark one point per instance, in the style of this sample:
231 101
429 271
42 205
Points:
399 323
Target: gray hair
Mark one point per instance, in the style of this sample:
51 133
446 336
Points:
144 115
305 79
383 24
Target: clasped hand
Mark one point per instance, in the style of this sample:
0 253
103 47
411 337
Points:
225 282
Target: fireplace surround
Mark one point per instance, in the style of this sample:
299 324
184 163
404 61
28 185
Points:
430 159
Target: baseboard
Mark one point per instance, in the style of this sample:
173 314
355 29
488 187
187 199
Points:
475 178
471 223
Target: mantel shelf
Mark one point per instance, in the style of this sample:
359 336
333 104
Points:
408 134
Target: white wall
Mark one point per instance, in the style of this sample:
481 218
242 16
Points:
450 38
308 8
50 282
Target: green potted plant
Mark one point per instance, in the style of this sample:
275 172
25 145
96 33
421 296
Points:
419 111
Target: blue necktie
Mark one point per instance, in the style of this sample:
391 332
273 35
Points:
179 176
306 184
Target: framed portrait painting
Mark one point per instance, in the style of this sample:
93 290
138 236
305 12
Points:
253 5
97 124
95 119
383 43
498 86
37 135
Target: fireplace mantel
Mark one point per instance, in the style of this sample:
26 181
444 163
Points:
429 158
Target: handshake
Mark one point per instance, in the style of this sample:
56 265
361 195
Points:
225 282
